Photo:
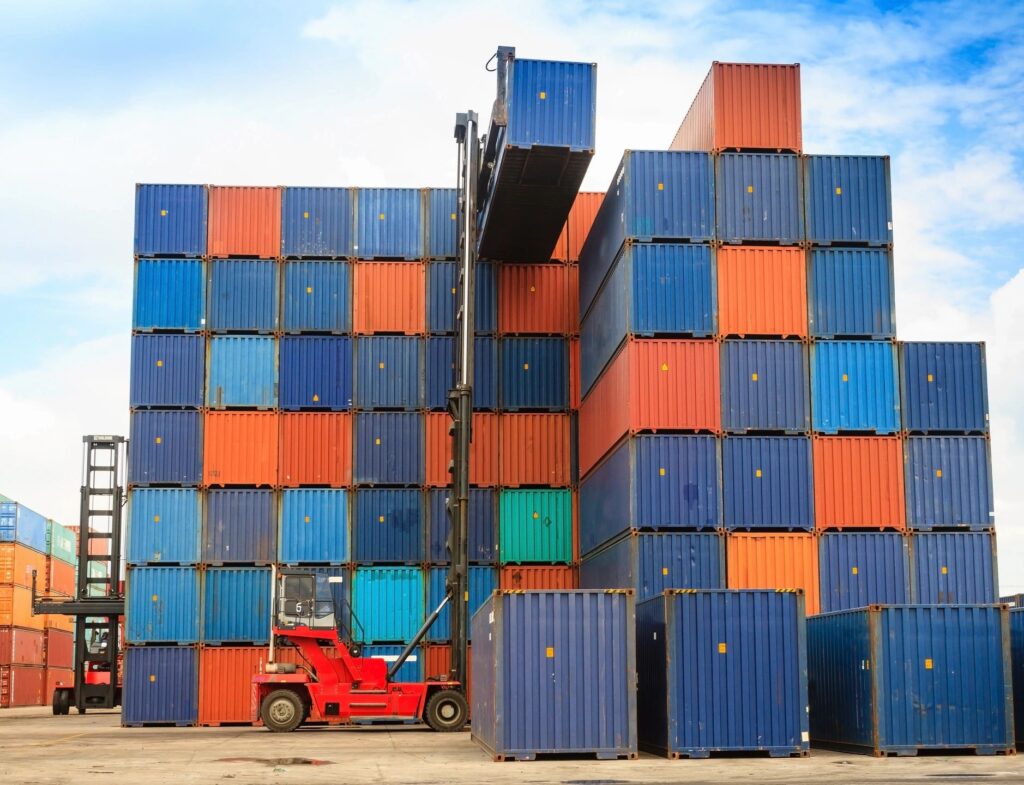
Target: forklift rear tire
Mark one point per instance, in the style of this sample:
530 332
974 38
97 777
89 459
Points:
447 711
282 711
61 702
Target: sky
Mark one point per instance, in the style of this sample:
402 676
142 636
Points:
97 96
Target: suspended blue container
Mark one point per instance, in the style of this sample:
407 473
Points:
849 199
852 293
389 372
164 526
534 374
167 448
442 223
949 482
854 387
316 372
162 605
387 603
161 686
483 527
389 526
167 371
314 526
440 371
412 668
389 223
953 568
765 387
170 294
20 524
758 198
236 605
317 297
243 372
170 220
482 581
944 387
767 483
240 527
389 449
316 222
857 569
243 296
443 297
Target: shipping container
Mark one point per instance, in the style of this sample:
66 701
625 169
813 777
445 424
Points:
170 220
244 221
724 671
162 605
1017 662
758 198
651 385
767 483
437 661
900 679
314 526
20 646
744 106
243 296
241 448
316 222
60 649
388 526
240 527
538 299
389 223
55 679
516 577
949 482
167 448
654 195
858 483
944 387
60 578
765 387
389 372
389 297
535 449
161 685
534 694
848 199
225 682
440 371
483 449
443 297
577 226
442 223
317 297
762 291
242 372
164 526
236 605
22 685
534 373
18 523
16 608
170 294
387 603
481 581
316 449
574 374
774 561
535 526
483 526
316 372
18 562
61 542
854 387
412 668
953 568
167 371
852 293
653 289
388 448
863 568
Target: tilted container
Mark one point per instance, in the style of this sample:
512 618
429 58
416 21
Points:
316 372
236 605
388 526
314 526
242 372
389 297
316 222
854 387
762 291
534 373
388 448
848 199
170 220
538 299
167 370
316 449
774 561
243 296
20 524
440 371
442 223
482 581
757 198
169 294
534 450
162 605
944 387
858 483
389 223
443 297
389 372
767 483
483 526
387 603
317 297
949 482
863 568
240 448
240 526
851 293
161 685
167 448
953 568
244 221
535 526
164 526
765 387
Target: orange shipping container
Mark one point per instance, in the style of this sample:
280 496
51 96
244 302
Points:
858 483
16 608
651 385
225 682
538 299
18 562
60 577
57 677
244 221
316 449
389 297
533 578
483 451
748 106
64 623
22 685
762 291
60 649
774 561
437 660
535 450
577 226
240 448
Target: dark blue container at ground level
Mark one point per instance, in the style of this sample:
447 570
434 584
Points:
389 372
948 482
316 372
243 295
389 526
944 387
389 448
236 605
483 528
757 198
389 223
851 292
443 297
316 222
482 581
317 297
765 387
857 569
535 374
953 568
767 483
240 526
1017 660
161 686
442 223
167 448
170 294
848 199
168 370
440 371
170 220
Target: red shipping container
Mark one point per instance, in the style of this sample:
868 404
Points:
389 297
316 449
244 221
536 578
57 677
483 450
859 483
225 682
60 649
535 450
437 660
574 374
96 547
60 577
19 646
774 561
538 299
240 448
22 685
762 291
651 385
18 562
749 106
577 226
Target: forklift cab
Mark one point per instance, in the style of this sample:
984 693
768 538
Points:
306 600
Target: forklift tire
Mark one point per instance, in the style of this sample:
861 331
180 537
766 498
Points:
282 711
446 711
61 702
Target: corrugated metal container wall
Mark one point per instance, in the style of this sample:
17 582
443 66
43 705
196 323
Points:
60 578
316 222
440 371
241 526
163 605
243 372
653 196
567 119
538 298
412 668
170 294
483 527
166 448
388 602
519 578
316 372
535 526
750 696
953 568
1017 661
60 649
762 290
437 661
577 226
244 221
316 449
240 448
18 562
161 685
225 682
389 372
483 450
164 525
858 482
22 647
22 686
767 483
389 223
535 449
388 526
852 293
534 373
243 296
863 568
744 105
314 526
443 300
61 542
18 523
758 198
848 199
317 297
653 289
482 581
574 374
388 448
944 387
774 561
170 219
16 608
949 482
389 297
167 370
915 695
764 387
854 387
534 694
442 223
236 605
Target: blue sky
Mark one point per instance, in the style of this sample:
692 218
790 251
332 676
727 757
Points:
96 96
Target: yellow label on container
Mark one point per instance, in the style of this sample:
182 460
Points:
721 648
661 472
380 519
839 191
377 441
664 366
307 519
381 216
453 216
159 440
550 652
381 366
466 597
305 214
543 95
315 397
846 378
928 663
661 186
931 378
526 366
155 598
152 678
453 290
853 570
156 519
753 377
309 290
163 213
757 472
536 515
945 570
159 363
938 472
664 570
750 189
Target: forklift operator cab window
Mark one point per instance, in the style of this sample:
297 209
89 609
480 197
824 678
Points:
306 600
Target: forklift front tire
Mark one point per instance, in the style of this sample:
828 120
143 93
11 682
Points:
447 711
61 701
282 711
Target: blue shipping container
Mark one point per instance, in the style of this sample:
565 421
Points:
857 569
164 526
170 294
936 678
953 568
241 526
161 686
243 372
949 482
170 220
758 198
316 222
388 526
243 295
442 223
236 605
1017 660
20 524
314 526
440 371
482 581
723 671
316 372
387 603
534 374
162 605
852 293
765 387
412 668
767 483
848 198
167 370
854 387
944 387
167 448
389 223
443 297
317 297
389 372
483 528
389 448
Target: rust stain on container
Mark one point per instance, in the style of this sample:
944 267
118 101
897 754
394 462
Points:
244 221
762 291
240 448
483 450
538 299
774 561
534 450
859 482
577 226
316 449
389 297
537 578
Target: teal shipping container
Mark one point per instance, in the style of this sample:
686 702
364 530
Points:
535 526
387 604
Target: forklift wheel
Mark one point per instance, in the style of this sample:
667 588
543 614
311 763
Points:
447 711
282 711
61 702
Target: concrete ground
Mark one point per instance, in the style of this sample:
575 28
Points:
38 749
